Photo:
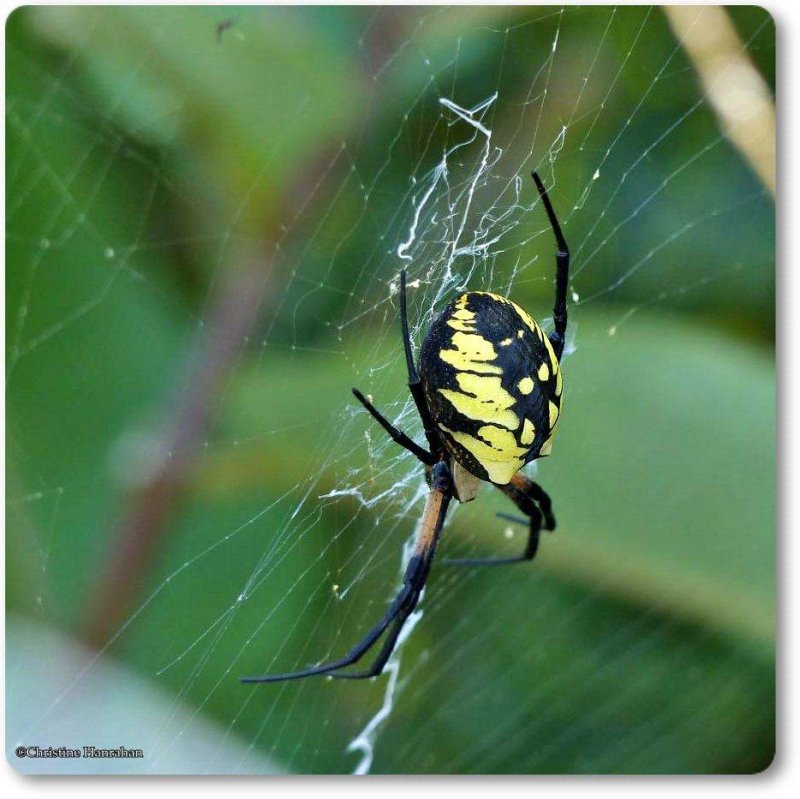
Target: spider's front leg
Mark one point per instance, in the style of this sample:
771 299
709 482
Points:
557 337
436 453
396 435
535 503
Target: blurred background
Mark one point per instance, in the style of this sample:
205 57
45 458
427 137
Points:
207 211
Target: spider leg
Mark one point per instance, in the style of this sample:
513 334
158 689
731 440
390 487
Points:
406 600
414 382
417 571
536 504
557 337
510 517
386 650
534 526
534 491
425 552
397 435
353 656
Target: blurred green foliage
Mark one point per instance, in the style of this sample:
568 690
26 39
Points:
151 155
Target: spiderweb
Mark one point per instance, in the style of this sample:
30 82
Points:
640 641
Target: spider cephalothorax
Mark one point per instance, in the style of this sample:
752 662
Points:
489 396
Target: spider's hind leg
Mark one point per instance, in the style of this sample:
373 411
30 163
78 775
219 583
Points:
386 650
418 568
414 579
535 503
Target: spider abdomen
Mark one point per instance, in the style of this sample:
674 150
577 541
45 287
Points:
492 383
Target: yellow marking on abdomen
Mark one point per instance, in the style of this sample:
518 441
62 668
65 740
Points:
544 372
461 325
553 414
525 385
462 318
559 382
472 353
498 297
483 399
501 457
551 352
528 432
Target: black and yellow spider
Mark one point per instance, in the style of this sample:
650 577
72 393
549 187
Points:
488 392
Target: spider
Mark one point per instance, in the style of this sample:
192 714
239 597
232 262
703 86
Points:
488 391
